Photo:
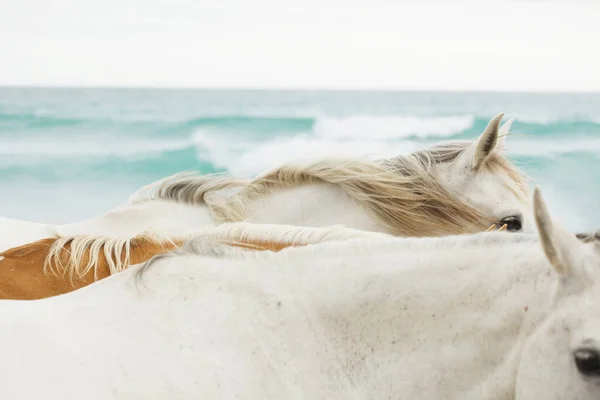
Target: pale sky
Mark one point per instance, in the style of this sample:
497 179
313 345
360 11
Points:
351 44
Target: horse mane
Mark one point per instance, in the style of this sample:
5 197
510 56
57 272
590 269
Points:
78 255
420 162
68 255
400 193
234 239
340 241
186 187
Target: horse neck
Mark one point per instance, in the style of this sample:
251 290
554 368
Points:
21 232
147 249
386 318
315 205
22 276
22 269
140 250
133 219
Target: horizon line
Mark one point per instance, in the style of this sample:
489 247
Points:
289 89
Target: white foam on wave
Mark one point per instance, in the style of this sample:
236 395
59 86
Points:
391 127
249 159
540 117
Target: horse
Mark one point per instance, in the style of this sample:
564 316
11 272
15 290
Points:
451 188
481 316
57 265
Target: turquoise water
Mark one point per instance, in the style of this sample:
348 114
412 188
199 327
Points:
66 154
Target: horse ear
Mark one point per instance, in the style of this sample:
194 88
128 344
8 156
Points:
562 249
486 142
478 152
503 133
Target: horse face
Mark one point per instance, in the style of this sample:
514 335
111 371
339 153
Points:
482 179
561 359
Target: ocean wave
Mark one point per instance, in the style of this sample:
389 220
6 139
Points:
378 127
541 118
248 158
354 127
34 125
357 126
261 124
392 127
151 166
247 155
36 120
128 125
65 147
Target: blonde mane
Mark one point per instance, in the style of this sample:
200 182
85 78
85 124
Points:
401 193
344 240
186 187
67 255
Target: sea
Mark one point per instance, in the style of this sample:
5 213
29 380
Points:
69 154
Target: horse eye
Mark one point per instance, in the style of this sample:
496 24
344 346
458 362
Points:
587 361
513 223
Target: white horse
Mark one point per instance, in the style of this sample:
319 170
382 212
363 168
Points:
448 189
485 316
457 187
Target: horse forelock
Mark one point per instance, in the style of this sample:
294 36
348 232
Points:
496 164
511 176
503 169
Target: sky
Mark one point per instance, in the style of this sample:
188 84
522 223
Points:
309 44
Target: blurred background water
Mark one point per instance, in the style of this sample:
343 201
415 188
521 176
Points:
67 154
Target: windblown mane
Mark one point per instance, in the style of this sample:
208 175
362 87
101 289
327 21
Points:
76 256
421 162
186 187
401 193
